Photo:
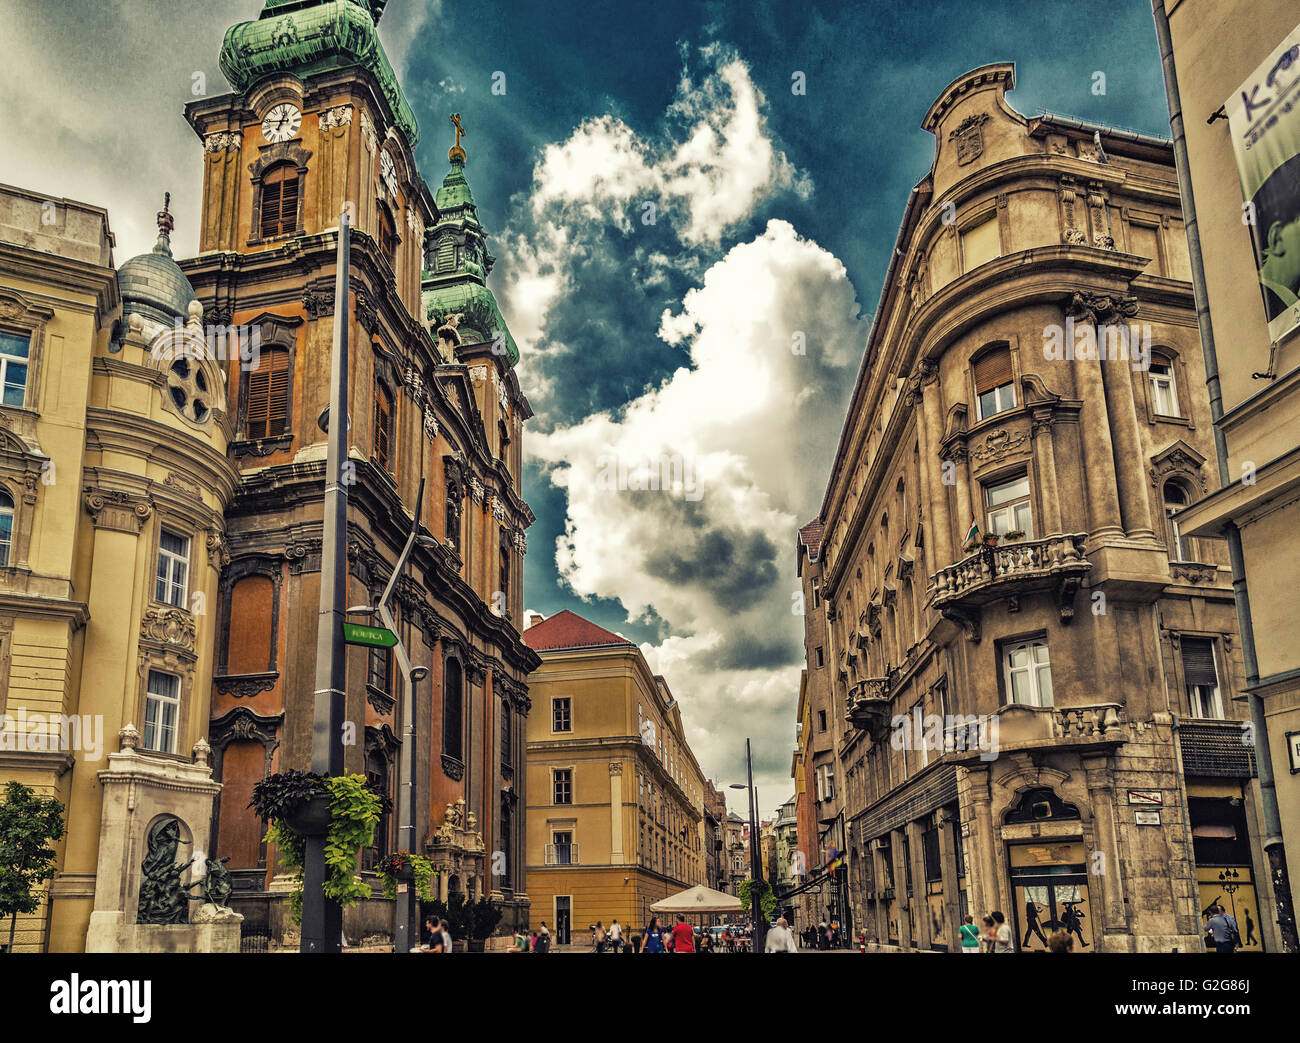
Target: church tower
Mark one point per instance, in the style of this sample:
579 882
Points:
317 122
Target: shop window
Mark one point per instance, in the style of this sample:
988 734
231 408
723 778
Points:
930 854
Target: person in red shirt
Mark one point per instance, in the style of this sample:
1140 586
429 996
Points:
683 935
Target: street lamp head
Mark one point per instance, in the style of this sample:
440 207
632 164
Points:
738 785
361 610
428 541
419 673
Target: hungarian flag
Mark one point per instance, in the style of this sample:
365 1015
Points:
973 533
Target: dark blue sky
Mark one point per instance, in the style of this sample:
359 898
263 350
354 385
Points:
872 70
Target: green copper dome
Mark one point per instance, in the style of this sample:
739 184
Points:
455 189
309 36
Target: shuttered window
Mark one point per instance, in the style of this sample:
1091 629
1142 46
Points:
384 428
446 255
268 395
992 370
1198 661
280 201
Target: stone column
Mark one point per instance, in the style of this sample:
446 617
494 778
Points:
901 900
920 889
981 858
616 812
929 431
947 819
1135 500
1104 517
1045 463
1106 875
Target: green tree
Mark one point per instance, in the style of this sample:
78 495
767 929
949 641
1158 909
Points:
767 900
28 823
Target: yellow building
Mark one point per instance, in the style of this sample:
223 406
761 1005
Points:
1243 220
113 478
615 796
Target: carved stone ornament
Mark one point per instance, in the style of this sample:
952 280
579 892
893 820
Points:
616 767
223 141
118 510
969 136
173 627
476 488
338 116
430 425
997 445
1100 308
368 132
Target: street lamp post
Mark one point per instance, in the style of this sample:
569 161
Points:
407 910
322 919
755 859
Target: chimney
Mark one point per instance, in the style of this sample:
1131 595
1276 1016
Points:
531 619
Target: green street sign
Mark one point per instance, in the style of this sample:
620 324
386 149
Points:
373 637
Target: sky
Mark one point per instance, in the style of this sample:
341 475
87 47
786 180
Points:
691 206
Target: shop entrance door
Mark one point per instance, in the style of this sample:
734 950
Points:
1050 885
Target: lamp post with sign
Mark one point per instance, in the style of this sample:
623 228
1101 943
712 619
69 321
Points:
386 637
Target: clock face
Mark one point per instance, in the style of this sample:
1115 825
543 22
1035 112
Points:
389 173
281 123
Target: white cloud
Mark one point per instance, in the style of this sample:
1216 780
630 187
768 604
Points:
753 425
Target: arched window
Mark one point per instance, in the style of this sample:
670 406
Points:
383 427
453 693
995 392
504 574
1176 497
387 234
267 413
6 527
377 780
280 191
1164 387
507 724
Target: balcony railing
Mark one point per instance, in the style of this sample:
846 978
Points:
1010 569
868 703
562 855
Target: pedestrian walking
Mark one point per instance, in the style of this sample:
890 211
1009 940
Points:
654 936
1221 929
543 939
989 935
433 936
970 935
780 938
1003 940
598 936
615 936
683 936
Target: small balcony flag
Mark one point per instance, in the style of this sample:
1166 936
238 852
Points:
972 534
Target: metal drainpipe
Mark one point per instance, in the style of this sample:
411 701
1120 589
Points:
1273 846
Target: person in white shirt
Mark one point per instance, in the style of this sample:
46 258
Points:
616 936
780 938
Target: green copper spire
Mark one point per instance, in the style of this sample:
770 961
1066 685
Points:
457 260
308 36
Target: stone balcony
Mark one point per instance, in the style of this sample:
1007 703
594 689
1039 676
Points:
1093 726
868 703
1055 564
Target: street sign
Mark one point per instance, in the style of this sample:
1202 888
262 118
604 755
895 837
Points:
1145 796
1146 818
373 637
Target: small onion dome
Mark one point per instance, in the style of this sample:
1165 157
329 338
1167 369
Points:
153 284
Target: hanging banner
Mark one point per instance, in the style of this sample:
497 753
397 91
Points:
1264 121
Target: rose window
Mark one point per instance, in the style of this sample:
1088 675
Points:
189 390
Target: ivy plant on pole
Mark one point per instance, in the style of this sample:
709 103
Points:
767 900
28 823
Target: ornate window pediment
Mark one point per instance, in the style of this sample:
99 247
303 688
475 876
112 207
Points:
1178 459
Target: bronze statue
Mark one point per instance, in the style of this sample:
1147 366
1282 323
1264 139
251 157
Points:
216 884
163 899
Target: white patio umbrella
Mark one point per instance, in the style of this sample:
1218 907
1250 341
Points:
698 899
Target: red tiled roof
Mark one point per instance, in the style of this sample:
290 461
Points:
811 537
569 630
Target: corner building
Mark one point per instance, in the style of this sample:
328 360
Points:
1096 643
317 120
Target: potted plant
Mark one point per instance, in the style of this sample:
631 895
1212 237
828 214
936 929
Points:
300 804
484 917
404 867
990 539
1014 536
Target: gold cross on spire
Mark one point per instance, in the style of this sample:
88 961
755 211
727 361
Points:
456 152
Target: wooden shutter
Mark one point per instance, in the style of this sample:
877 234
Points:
1198 661
992 370
279 201
268 395
383 428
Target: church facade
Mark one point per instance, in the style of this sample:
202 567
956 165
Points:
317 123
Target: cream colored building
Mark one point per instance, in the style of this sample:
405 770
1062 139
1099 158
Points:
1045 726
113 478
1254 500
615 796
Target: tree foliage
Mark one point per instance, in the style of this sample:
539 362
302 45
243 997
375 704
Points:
767 900
28 824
